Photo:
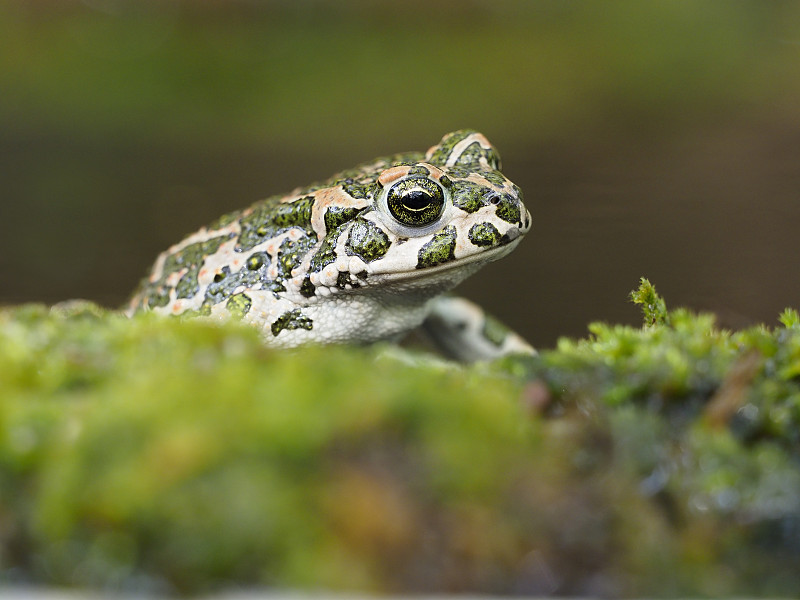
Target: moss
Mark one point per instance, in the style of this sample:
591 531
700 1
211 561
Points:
709 420
653 306
653 461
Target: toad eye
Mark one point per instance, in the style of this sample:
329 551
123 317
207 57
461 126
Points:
415 201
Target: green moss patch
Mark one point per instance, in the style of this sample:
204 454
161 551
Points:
177 455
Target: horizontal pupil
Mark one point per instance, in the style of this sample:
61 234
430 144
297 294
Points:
417 200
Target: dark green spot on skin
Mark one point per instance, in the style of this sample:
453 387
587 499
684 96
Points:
294 214
239 305
190 258
445 147
343 280
294 319
367 241
468 196
187 285
473 153
215 289
325 255
419 170
271 217
307 289
203 311
458 172
495 177
484 234
360 191
338 215
291 254
276 287
439 250
157 298
258 260
253 276
192 255
508 210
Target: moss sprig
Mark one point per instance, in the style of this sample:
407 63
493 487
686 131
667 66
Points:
653 306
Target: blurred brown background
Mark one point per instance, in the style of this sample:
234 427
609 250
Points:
654 139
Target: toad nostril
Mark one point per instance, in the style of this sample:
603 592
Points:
495 200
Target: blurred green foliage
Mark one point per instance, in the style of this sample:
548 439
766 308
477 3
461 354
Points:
177 455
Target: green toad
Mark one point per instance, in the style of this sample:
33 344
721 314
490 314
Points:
364 256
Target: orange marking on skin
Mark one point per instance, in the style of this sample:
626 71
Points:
392 174
328 196
436 172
